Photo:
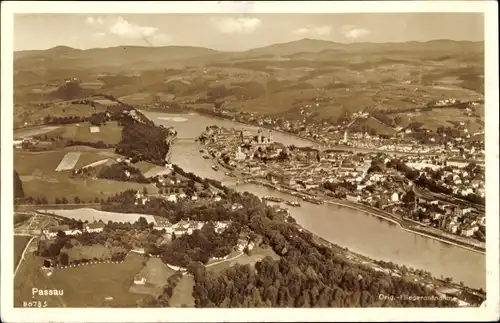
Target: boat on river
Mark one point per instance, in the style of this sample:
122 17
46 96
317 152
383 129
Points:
206 156
273 199
293 203
215 168
312 200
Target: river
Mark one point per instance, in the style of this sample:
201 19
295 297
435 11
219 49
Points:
360 232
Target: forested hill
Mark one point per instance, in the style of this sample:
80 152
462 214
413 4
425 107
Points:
306 275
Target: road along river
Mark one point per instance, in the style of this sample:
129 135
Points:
360 232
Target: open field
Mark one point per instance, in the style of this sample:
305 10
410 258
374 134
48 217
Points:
110 133
87 190
88 252
183 293
87 214
92 85
257 254
20 243
137 98
85 286
37 172
68 162
33 163
105 102
29 276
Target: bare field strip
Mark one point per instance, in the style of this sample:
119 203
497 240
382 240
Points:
158 170
91 215
97 163
25 133
69 161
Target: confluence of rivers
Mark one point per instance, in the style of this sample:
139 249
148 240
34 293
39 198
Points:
359 231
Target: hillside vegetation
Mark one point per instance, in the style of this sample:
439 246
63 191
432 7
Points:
325 78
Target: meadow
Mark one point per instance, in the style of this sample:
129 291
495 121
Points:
37 171
110 133
20 243
183 293
83 286
256 254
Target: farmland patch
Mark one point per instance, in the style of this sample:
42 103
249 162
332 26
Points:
68 162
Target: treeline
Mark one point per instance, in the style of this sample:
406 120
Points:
144 142
98 145
63 120
122 172
304 279
206 181
57 251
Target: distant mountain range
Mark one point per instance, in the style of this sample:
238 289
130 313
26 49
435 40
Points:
139 57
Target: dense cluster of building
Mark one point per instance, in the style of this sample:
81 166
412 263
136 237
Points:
362 178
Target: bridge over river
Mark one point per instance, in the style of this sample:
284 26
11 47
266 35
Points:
184 140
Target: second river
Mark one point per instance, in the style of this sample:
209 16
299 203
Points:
356 230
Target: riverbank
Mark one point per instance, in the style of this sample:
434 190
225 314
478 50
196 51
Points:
312 141
405 224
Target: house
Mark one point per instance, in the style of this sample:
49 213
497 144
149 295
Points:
162 224
395 197
139 279
94 227
53 231
18 143
220 226
468 232
236 206
172 198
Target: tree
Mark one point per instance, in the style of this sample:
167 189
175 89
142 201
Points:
18 186
409 197
63 258
77 200
61 234
145 191
64 200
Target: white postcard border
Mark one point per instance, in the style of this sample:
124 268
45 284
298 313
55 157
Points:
489 312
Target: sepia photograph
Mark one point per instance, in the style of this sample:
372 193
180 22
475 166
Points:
247 157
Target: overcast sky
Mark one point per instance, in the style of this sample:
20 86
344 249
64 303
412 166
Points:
237 32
